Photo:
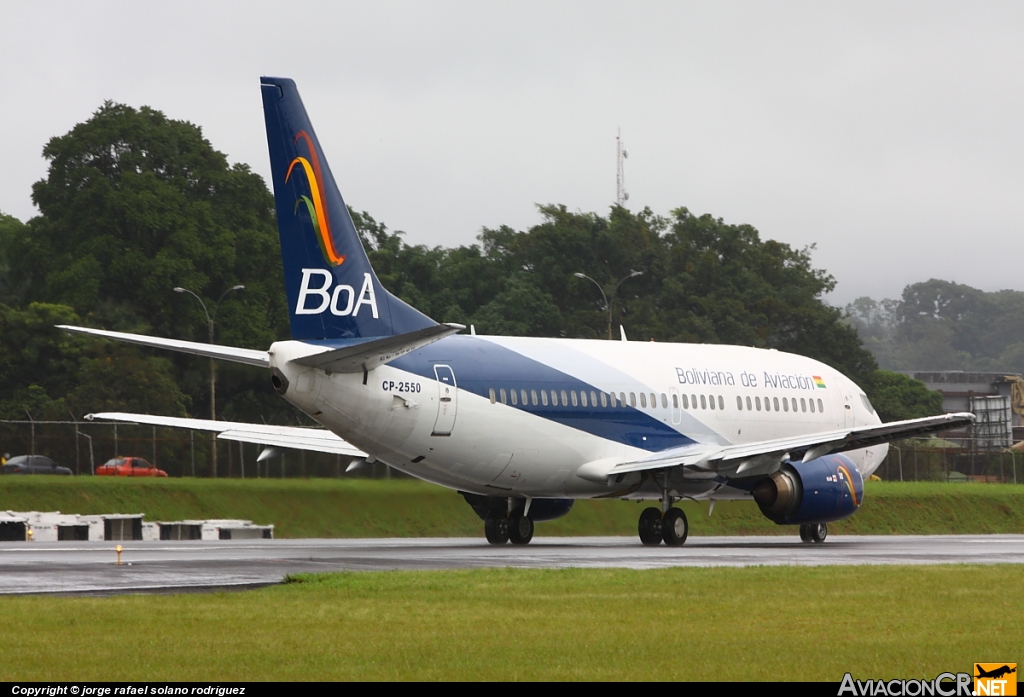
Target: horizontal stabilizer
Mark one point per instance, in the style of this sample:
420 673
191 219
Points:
296 437
228 353
763 457
376 352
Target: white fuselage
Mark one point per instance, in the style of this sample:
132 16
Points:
446 413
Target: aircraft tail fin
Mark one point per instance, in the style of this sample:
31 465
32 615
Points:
333 292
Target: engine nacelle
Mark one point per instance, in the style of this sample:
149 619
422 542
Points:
819 491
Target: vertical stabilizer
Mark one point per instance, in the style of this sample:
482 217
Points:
333 292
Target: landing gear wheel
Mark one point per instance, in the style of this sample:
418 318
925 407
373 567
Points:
649 527
520 528
818 532
805 533
496 528
674 528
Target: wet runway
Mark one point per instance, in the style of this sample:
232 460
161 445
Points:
90 568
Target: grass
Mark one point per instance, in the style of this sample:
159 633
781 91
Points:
405 507
761 623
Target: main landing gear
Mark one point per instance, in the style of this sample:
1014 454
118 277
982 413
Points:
816 532
515 527
670 527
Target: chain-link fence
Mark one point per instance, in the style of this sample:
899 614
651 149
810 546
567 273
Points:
912 461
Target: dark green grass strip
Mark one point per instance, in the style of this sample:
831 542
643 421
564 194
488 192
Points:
403 507
767 623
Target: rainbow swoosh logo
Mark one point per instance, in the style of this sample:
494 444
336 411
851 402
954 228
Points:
316 205
848 480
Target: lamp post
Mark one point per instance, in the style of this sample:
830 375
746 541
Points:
210 319
607 304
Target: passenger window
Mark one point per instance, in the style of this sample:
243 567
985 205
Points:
643 400
513 396
785 404
492 395
664 401
654 401
803 404
554 398
503 396
533 397
821 407
811 401
572 393
703 402
767 403
757 403
739 402
693 400
583 398
711 400
604 399
593 398
622 399
544 397
565 401
675 401
775 403
686 402
523 394
794 404
749 408
632 399
721 402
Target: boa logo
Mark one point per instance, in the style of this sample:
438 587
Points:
342 300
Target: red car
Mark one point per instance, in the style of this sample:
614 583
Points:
129 467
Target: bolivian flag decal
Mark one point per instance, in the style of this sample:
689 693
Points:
818 381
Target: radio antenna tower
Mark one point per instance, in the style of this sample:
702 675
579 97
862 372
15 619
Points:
621 195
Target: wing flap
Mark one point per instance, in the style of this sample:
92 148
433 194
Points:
296 437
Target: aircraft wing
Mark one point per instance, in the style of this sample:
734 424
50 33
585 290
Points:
296 437
763 457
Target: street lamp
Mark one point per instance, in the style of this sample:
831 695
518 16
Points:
608 305
210 319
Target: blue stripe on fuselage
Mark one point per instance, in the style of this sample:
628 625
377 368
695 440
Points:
480 365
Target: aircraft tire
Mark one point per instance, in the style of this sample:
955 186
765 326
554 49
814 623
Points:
818 532
496 528
520 529
805 533
674 528
649 527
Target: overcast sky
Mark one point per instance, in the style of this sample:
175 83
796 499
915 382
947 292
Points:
889 134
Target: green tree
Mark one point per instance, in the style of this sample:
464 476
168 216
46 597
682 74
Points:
896 396
135 204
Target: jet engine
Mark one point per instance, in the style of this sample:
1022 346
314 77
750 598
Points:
819 491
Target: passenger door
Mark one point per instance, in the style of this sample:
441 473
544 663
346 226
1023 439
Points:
447 401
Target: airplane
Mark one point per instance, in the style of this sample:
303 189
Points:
995 673
522 427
